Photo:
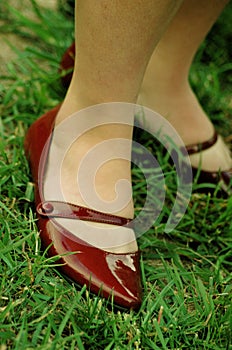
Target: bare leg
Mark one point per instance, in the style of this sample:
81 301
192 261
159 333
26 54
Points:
114 40
166 87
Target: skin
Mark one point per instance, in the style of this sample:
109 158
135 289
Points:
131 53
165 85
101 59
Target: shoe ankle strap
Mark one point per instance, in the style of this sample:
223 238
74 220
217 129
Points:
198 147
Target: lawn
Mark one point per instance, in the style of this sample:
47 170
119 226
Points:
187 273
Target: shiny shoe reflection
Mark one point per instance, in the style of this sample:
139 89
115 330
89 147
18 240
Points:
105 273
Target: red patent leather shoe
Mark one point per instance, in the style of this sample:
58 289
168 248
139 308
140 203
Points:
106 274
223 178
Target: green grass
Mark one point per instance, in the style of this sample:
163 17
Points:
187 274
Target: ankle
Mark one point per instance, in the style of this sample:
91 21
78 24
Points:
182 109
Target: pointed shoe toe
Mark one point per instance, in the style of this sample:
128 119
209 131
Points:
110 275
